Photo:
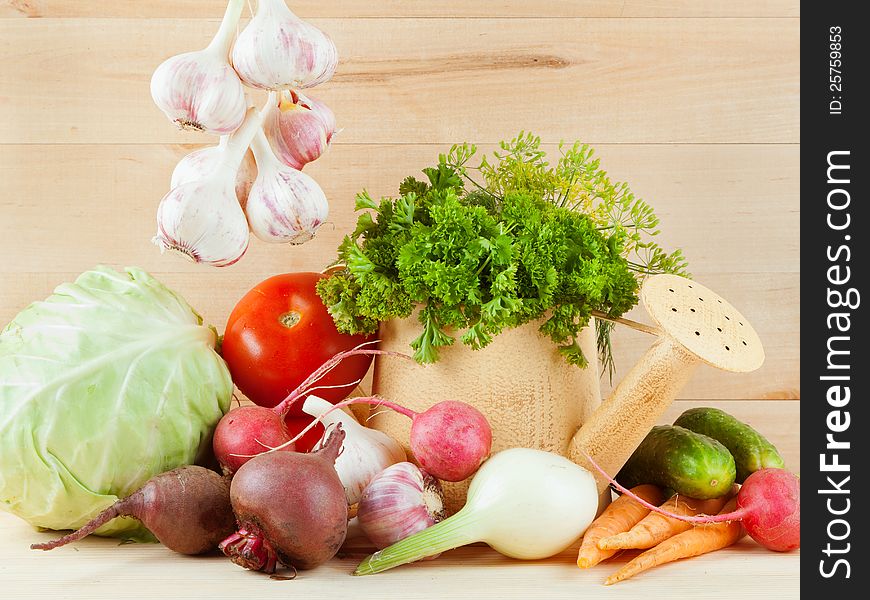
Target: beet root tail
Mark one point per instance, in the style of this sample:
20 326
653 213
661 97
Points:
330 449
118 509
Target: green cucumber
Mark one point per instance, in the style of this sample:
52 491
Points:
690 463
750 449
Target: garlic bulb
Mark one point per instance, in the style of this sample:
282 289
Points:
398 502
284 205
200 90
278 50
366 452
202 220
298 128
199 164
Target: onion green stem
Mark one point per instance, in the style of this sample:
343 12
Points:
453 532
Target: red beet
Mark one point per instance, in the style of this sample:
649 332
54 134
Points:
187 509
291 509
450 439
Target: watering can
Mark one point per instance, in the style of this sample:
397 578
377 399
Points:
534 399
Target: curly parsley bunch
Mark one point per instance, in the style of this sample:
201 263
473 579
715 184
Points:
530 242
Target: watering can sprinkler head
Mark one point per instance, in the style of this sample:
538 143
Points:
703 323
694 325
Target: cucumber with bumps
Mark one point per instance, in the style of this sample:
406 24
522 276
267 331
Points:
690 463
750 449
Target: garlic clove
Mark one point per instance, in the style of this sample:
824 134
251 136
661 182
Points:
200 90
278 50
284 205
398 502
199 164
202 219
299 128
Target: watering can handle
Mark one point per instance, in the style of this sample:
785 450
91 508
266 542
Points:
618 426
650 329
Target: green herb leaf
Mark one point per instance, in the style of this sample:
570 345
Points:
528 241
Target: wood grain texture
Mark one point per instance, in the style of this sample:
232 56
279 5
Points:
186 9
99 567
733 209
602 80
96 568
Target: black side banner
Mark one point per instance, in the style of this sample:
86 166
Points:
835 57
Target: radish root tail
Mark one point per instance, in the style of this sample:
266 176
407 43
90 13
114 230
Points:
720 518
376 400
305 387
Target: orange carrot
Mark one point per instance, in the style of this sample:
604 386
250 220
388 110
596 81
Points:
620 516
656 528
700 539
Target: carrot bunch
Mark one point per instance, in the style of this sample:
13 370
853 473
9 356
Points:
625 525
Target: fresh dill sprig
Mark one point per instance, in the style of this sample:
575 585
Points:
488 247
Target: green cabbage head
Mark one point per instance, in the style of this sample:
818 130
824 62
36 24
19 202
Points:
110 381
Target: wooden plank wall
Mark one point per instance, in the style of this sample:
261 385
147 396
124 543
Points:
695 103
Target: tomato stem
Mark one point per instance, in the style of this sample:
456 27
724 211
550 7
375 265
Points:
290 319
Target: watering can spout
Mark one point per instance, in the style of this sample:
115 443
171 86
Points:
695 326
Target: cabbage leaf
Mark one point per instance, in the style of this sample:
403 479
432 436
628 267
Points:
108 382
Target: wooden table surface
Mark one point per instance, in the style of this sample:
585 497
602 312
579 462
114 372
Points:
694 102
100 568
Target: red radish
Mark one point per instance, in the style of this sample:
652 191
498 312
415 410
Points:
768 505
290 507
450 439
250 430
247 431
187 509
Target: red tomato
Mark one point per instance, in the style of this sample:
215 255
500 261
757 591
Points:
310 439
279 333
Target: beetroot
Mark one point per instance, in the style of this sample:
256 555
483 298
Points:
187 509
450 439
250 430
290 507
768 504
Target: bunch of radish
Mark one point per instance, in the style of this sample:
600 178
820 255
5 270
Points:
218 194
